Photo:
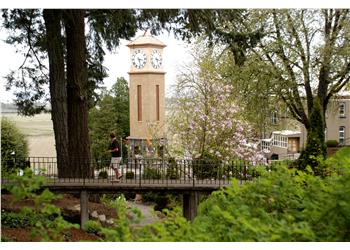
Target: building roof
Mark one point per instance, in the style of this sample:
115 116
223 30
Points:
287 132
344 94
146 39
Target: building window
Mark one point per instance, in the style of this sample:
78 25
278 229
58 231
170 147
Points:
265 144
139 103
280 141
342 135
157 102
274 118
342 109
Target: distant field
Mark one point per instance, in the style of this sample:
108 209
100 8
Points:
37 125
39 131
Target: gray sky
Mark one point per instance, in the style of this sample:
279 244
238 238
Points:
118 63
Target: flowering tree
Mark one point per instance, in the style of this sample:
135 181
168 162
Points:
206 120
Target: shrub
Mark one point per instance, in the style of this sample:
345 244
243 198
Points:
282 205
46 219
129 175
172 170
332 143
340 161
162 200
151 173
5 239
103 175
13 145
18 220
93 227
206 167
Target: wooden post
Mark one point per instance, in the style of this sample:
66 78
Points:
84 208
190 204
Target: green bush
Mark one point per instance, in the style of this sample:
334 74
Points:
13 145
340 161
17 220
172 170
332 143
129 175
151 173
44 218
206 167
5 239
93 227
103 175
162 200
286 205
282 205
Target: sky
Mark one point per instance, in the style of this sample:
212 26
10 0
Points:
117 63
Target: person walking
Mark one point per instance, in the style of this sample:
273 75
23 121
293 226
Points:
115 150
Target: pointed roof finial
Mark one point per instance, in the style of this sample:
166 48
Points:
146 39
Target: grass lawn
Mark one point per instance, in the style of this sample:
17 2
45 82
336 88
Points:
39 132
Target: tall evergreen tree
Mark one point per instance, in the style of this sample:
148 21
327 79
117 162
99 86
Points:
62 35
111 113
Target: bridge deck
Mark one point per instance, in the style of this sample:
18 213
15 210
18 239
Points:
146 185
107 186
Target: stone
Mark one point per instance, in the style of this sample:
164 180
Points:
94 214
110 221
138 198
74 208
77 207
102 217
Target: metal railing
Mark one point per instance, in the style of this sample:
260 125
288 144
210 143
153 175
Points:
138 171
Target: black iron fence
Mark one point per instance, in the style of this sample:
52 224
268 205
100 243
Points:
137 171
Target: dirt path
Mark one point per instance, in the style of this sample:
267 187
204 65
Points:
149 215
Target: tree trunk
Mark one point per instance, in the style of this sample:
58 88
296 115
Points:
77 89
315 148
58 89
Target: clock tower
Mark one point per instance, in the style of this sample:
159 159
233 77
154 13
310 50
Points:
146 95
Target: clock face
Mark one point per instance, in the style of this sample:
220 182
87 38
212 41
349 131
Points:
156 59
139 59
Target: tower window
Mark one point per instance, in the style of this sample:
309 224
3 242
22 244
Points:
341 135
139 103
342 109
157 102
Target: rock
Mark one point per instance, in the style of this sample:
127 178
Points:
76 207
138 198
102 217
94 214
110 221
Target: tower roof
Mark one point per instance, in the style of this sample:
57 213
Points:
146 39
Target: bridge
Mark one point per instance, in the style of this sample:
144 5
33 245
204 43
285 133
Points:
191 178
